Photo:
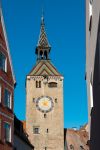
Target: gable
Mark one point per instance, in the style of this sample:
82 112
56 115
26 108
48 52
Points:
4 42
44 67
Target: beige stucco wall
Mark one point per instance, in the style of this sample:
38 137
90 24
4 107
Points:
54 139
91 40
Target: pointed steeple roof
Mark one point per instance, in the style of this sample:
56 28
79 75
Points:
43 41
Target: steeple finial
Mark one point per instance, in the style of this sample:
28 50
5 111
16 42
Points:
43 47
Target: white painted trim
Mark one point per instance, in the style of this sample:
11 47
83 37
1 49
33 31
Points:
10 136
10 98
5 35
7 82
90 10
3 114
91 95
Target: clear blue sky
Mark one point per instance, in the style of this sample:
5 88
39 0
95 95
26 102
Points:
65 27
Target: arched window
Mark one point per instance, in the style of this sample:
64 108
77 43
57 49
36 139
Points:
41 54
45 54
52 84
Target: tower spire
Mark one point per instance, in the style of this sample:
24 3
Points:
43 46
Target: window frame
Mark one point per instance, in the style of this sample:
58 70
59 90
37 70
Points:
52 84
5 64
34 130
9 103
10 132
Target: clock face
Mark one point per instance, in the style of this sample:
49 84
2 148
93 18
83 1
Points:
44 104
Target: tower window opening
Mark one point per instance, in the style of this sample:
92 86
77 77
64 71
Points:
56 100
38 84
47 130
41 54
71 147
45 115
33 100
52 85
46 55
36 130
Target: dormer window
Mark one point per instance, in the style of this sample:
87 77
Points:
52 85
3 62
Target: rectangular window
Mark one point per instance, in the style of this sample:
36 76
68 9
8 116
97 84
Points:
3 62
7 98
52 85
7 131
36 130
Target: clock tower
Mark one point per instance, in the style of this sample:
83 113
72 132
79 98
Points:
44 100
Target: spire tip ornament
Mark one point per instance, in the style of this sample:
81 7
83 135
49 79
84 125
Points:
43 46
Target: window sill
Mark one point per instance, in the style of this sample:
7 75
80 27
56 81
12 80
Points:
10 110
9 143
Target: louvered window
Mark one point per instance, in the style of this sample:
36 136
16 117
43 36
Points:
52 84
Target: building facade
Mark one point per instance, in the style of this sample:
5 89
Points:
7 82
44 100
93 70
20 136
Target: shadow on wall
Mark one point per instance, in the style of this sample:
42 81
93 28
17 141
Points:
95 112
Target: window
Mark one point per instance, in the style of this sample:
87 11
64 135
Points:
45 148
71 147
47 130
38 84
7 132
36 130
33 100
7 98
81 147
3 62
52 84
45 115
56 100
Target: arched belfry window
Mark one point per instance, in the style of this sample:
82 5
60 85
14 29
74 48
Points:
52 84
41 54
